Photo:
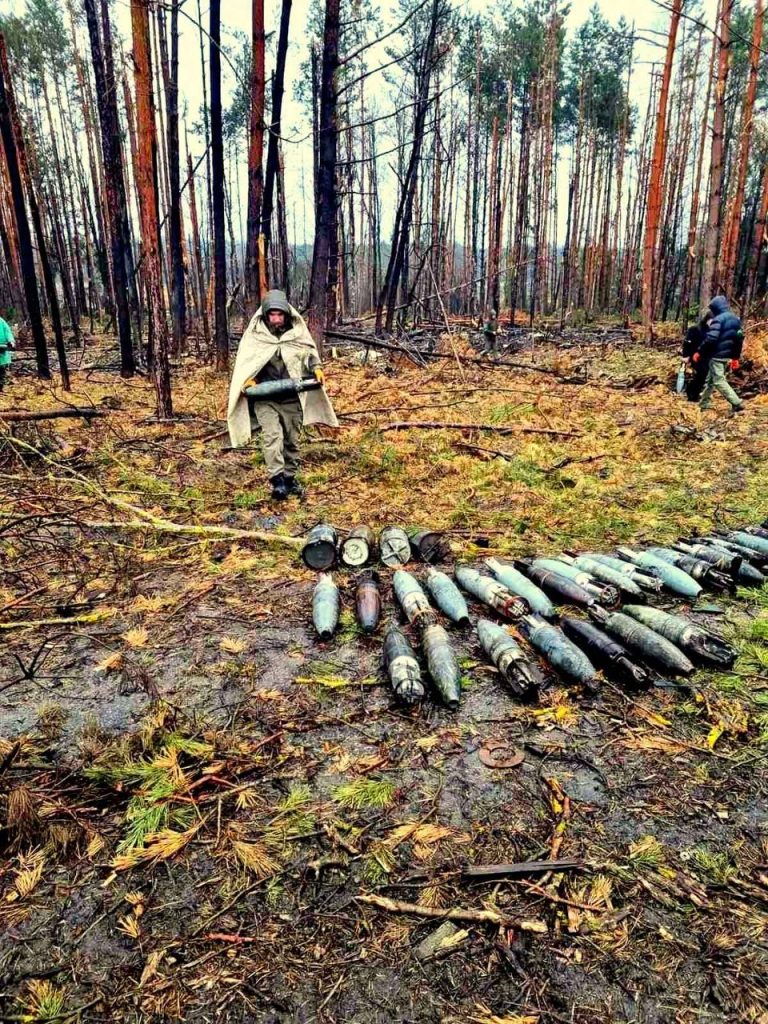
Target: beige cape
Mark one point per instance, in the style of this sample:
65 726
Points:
257 346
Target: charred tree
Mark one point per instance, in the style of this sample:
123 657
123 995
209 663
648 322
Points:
275 128
114 181
220 330
255 159
26 252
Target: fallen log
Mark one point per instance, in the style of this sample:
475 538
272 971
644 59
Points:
490 872
363 339
495 428
75 412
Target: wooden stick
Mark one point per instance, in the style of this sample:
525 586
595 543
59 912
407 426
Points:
454 914
528 867
75 412
165 526
415 425
509 456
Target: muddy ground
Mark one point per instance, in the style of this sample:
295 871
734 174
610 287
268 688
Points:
197 796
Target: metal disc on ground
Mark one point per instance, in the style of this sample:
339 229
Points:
497 754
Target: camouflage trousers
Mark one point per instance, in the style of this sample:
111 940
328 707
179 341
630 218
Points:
716 381
280 424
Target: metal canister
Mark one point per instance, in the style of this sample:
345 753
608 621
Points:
430 546
358 548
394 546
319 551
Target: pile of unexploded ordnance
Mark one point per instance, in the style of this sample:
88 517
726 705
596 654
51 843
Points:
620 632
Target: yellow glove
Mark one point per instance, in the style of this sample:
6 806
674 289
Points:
250 383
319 375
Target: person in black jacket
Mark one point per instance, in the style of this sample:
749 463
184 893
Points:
720 350
694 339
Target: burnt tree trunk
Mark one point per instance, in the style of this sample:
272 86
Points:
114 182
255 160
220 331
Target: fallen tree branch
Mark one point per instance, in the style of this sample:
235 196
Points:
147 520
454 914
522 869
76 412
190 530
416 425
509 456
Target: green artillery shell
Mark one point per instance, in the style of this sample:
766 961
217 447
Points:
604 651
558 650
673 578
358 547
628 569
684 634
565 590
520 674
758 531
608 575
520 585
749 540
749 554
394 546
412 598
648 643
447 596
325 607
696 568
442 664
402 667
490 592
743 570
606 595
368 603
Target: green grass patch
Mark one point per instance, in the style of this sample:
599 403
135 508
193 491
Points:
364 794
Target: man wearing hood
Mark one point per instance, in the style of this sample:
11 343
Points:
720 350
277 346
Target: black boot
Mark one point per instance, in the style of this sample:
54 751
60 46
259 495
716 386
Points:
279 488
293 486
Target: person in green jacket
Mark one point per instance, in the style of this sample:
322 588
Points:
7 345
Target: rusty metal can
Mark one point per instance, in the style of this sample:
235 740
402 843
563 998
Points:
320 547
430 546
358 548
394 546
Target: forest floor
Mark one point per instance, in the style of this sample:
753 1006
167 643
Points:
197 797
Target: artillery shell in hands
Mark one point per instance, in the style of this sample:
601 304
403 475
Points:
698 642
642 579
490 592
564 590
559 651
325 607
447 596
607 653
604 572
674 579
520 674
402 667
520 585
699 570
368 603
608 595
648 644
442 664
412 598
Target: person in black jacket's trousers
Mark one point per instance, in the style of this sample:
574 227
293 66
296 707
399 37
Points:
720 350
